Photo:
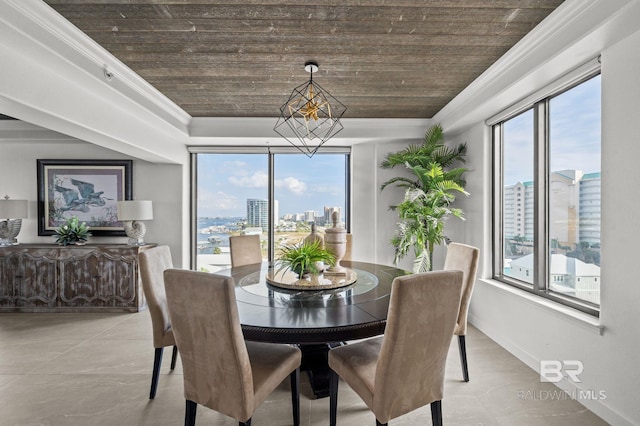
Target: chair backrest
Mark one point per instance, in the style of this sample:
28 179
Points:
245 250
422 315
461 257
206 326
153 263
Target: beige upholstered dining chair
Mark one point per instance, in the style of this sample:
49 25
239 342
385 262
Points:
221 370
153 263
404 369
462 257
245 250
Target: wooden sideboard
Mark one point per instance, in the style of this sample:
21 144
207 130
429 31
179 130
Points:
48 277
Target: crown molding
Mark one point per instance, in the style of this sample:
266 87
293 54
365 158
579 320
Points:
54 77
37 21
259 131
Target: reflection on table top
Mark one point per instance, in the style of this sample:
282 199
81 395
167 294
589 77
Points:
273 314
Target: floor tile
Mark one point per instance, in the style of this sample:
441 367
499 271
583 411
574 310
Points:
95 369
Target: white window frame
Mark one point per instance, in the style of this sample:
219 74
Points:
539 103
270 152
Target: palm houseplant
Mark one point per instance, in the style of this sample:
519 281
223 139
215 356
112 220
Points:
304 258
72 232
435 180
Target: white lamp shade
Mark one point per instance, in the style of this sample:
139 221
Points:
135 210
13 209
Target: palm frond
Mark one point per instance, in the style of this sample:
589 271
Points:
433 134
449 185
446 155
401 157
404 182
413 194
458 213
422 262
456 175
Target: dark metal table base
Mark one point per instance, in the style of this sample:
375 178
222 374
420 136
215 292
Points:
315 362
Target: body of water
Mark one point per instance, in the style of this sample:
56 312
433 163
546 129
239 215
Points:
214 232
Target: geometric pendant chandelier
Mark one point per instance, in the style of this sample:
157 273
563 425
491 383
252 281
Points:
311 116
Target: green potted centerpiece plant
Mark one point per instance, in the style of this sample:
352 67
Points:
304 257
428 193
72 232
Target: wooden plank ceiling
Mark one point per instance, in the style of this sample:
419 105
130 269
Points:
381 58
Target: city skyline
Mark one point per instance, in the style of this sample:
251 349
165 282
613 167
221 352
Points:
226 181
291 216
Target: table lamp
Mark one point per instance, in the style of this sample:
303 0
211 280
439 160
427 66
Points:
132 212
14 211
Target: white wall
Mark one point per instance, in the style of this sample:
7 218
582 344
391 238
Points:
474 230
162 183
536 331
372 223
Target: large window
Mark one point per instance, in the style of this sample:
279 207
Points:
274 193
547 180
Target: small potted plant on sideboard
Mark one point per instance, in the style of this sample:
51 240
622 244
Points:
72 232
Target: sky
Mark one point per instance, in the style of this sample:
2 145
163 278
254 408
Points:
574 135
226 181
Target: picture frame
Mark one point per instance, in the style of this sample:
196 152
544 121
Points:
87 189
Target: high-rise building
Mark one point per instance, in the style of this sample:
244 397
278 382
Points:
574 208
309 216
518 210
590 208
258 213
328 211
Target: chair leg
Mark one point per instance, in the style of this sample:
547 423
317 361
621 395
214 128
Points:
190 413
436 413
333 397
174 355
247 423
157 362
295 395
380 424
463 357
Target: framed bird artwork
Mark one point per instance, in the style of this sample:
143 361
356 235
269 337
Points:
86 189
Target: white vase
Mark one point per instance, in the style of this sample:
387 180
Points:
335 240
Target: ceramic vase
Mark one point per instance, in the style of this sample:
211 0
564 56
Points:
335 240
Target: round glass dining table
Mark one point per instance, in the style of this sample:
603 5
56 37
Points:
316 320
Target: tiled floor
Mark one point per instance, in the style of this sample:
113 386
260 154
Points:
95 369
